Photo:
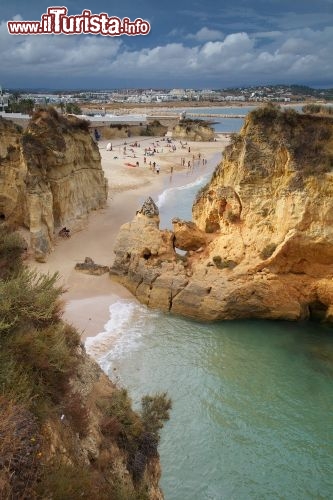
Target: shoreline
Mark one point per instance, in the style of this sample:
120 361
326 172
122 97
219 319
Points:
87 298
173 107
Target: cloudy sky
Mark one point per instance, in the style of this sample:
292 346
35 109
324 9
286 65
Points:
192 44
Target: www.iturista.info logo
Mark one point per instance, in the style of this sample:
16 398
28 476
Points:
57 22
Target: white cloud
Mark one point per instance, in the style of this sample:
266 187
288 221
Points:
301 55
205 34
54 54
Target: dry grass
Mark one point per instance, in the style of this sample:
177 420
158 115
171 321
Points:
19 451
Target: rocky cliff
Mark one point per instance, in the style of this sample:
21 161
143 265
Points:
193 130
66 431
50 177
261 244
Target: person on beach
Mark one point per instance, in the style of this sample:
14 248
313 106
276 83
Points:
157 169
171 170
97 135
189 164
154 166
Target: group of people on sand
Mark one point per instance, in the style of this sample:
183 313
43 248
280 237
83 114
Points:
153 148
194 159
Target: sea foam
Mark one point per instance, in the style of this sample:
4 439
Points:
121 333
163 197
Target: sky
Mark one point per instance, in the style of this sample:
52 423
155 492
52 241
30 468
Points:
191 44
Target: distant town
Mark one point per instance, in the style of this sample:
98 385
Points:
19 100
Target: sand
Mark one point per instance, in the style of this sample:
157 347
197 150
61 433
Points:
87 298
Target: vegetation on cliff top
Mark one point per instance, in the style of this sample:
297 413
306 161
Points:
307 137
46 132
40 361
317 108
194 122
193 129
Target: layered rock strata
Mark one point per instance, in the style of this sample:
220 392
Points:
261 244
50 177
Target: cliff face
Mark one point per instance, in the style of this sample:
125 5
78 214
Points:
66 430
267 218
96 452
50 177
193 130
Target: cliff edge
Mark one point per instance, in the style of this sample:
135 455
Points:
261 241
66 431
50 177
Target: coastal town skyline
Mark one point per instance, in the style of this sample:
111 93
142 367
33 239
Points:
189 45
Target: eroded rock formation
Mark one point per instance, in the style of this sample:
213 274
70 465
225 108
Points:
50 177
266 218
193 130
90 267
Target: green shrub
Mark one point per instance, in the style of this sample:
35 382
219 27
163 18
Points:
15 380
38 352
155 411
137 435
121 421
12 246
29 299
46 358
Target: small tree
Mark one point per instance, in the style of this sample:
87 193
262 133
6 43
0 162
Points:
155 411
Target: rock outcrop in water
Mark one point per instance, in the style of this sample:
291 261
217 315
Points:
193 130
265 227
51 177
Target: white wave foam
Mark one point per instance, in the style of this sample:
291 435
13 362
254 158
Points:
122 333
163 197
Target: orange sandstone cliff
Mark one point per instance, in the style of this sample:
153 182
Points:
50 177
261 241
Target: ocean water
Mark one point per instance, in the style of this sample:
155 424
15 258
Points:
171 197
252 400
225 125
228 125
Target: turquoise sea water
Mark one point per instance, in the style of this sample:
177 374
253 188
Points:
252 402
252 413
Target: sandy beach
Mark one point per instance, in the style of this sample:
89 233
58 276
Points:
87 298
